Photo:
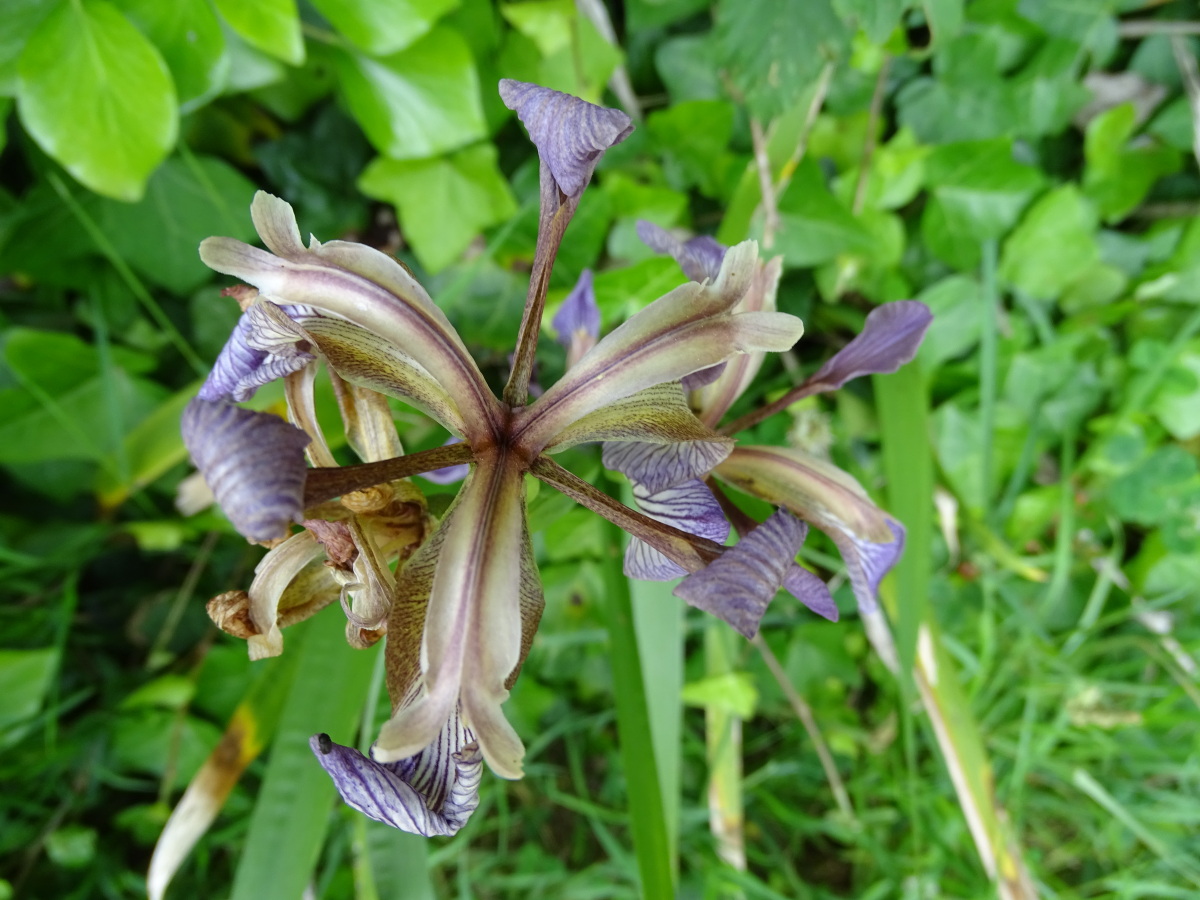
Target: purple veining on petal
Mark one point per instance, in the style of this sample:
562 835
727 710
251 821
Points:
578 312
811 591
704 377
890 338
659 466
252 461
449 474
690 507
739 584
699 257
256 353
432 793
570 134
867 563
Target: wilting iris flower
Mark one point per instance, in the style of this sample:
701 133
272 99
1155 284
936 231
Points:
462 606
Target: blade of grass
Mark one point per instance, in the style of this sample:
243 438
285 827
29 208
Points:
987 378
723 740
647 817
292 812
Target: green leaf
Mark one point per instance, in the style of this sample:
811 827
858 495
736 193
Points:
1054 245
1090 25
694 137
1177 404
97 97
977 192
272 26
58 402
186 201
732 692
878 18
291 814
418 103
443 202
188 35
685 65
1116 176
773 49
574 56
383 28
150 448
20 20
814 226
25 677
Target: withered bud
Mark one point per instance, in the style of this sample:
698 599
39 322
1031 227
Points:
230 612
244 294
369 500
362 638
335 537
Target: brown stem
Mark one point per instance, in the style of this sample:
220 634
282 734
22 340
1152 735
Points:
551 228
689 551
324 484
762 162
750 419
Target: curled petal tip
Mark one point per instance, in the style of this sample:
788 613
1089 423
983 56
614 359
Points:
890 338
699 257
252 461
571 134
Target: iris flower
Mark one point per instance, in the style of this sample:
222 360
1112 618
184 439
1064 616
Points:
461 608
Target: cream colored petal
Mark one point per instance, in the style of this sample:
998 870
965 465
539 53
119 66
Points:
370 426
271 578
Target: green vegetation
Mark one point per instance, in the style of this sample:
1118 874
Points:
1025 167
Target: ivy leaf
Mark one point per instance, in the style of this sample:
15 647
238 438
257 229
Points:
97 97
417 103
1117 177
383 28
188 35
977 192
273 26
774 48
814 226
1054 245
443 202
20 20
184 204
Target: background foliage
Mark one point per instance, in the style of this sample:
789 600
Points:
1025 167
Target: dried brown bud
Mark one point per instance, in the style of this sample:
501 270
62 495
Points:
230 612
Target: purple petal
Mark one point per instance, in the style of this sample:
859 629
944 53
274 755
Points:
252 461
449 474
570 134
811 591
704 377
659 466
866 562
432 793
739 584
578 312
690 507
890 338
256 354
700 257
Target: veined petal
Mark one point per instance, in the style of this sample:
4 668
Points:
689 329
251 358
431 793
367 360
370 425
473 626
867 561
811 591
812 488
570 134
363 286
690 507
299 389
739 584
890 338
699 257
252 461
370 593
661 466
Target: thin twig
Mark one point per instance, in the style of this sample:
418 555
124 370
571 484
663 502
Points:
864 167
1137 28
810 120
323 484
804 713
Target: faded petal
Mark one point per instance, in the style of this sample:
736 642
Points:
867 562
689 329
473 624
276 575
690 507
890 338
577 322
739 584
254 463
255 355
699 257
570 134
430 793
811 591
812 488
